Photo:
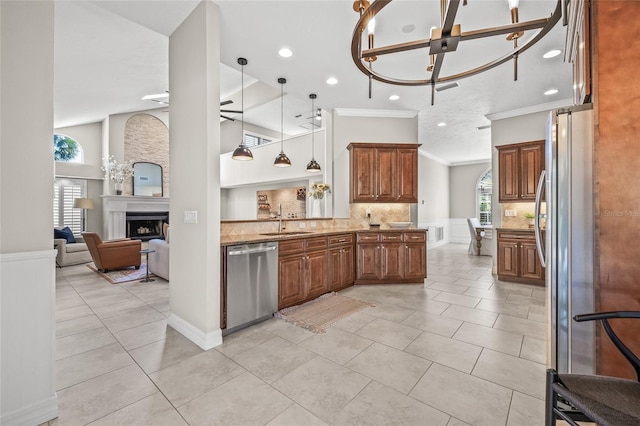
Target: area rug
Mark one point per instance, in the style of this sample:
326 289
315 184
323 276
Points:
321 313
122 275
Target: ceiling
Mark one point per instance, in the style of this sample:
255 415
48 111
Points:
109 54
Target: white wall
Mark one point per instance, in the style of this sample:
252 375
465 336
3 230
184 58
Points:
362 129
194 82
230 134
433 198
27 266
463 180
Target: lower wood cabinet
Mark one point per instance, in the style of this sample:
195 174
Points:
391 257
341 262
310 267
518 257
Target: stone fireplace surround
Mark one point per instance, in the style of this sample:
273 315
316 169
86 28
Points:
115 208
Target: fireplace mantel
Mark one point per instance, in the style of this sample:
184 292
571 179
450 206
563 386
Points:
115 208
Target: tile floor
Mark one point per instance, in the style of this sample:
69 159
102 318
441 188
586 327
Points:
464 349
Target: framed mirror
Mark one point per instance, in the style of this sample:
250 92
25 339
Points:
147 179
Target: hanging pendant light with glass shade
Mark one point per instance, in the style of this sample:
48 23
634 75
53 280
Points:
313 166
242 152
282 160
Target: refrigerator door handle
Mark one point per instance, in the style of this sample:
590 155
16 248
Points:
536 219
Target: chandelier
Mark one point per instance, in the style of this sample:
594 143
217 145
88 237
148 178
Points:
444 40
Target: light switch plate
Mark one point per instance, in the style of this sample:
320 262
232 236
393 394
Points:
510 213
191 216
302 225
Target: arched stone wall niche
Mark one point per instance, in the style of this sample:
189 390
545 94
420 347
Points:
146 138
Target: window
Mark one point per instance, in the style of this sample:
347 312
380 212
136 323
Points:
483 196
67 149
65 191
254 140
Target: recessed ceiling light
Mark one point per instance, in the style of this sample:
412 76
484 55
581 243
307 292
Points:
285 52
394 97
408 28
551 92
332 81
551 54
442 124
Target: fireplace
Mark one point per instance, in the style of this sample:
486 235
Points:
145 225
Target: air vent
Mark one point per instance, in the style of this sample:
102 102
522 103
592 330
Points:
486 126
447 86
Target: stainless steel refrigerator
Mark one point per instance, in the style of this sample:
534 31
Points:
564 234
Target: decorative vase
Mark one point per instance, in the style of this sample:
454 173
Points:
119 188
316 207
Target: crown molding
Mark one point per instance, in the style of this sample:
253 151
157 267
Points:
433 157
562 103
471 162
378 113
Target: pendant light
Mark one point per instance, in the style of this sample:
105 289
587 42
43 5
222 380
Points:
313 166
282 160
242 152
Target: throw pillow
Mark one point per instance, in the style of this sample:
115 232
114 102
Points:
64 233
165 231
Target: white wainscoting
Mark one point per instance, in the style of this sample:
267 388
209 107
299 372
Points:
27 325
460 231
115 208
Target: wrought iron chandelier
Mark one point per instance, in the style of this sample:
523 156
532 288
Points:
444 40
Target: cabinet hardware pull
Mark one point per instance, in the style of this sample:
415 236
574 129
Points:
342 240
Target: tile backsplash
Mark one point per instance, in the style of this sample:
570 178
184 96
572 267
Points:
517 221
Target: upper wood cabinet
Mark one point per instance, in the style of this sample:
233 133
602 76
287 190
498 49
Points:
383 173
520 166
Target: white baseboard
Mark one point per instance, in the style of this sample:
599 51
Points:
205 340
35 414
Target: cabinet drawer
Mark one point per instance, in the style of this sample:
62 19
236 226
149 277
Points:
414 237
290 246
316 243
392 236
368 236
341 239
516 235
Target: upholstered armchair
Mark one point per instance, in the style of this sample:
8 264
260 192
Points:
113 254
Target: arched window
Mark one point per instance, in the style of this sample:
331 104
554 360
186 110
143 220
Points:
483 197
67 149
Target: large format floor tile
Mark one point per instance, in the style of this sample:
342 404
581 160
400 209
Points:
425 354
321 386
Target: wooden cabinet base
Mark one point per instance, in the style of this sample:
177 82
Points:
518 257
521 280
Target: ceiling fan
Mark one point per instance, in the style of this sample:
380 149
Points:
232 111
163 99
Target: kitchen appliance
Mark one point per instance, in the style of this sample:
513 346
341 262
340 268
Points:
566 244
251 284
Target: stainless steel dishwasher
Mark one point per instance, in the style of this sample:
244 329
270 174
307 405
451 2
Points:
252 284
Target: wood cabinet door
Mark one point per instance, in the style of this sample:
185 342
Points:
531 165
368 267
415 260
291 280
392 261
509 172
363 181
335 259
386 172
317 266
508 258
347 266
530 266
407 175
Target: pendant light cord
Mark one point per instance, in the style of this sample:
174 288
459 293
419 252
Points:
242 105
281 118
313 127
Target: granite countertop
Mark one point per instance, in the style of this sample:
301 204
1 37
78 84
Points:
304 233
515 229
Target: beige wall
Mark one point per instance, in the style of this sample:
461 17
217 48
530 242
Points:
194 75
462 188
362 129
26 153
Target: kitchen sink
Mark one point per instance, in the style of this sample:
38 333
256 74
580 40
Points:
285 233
